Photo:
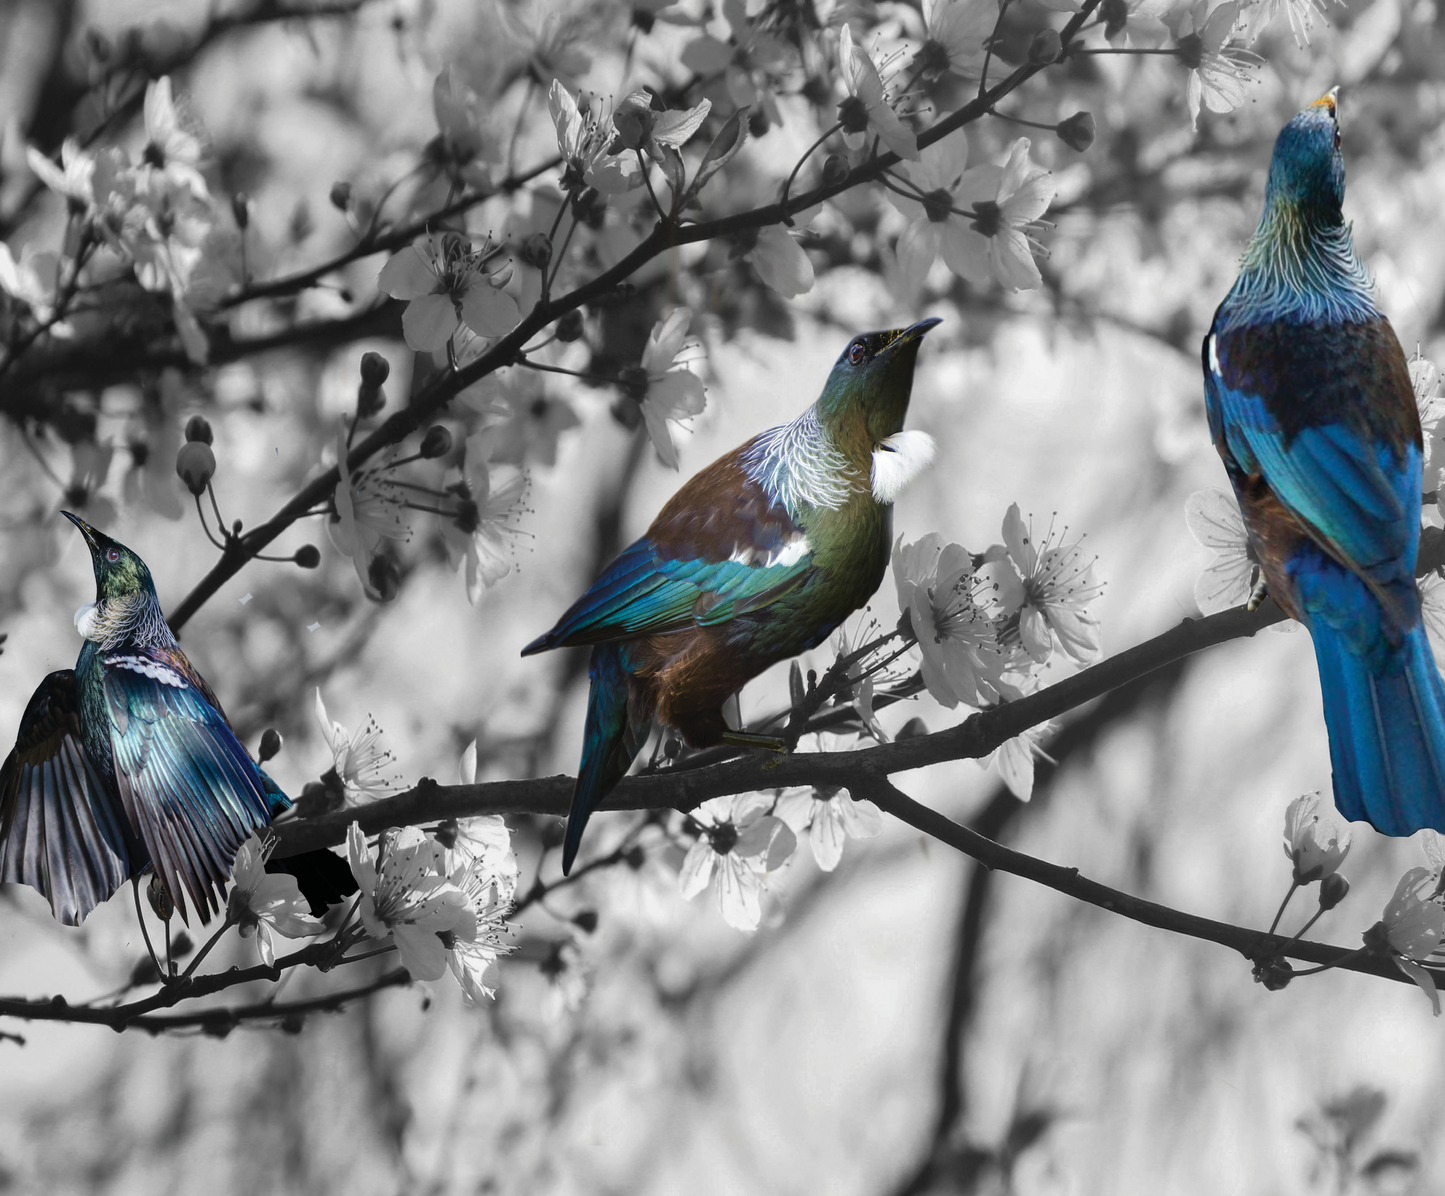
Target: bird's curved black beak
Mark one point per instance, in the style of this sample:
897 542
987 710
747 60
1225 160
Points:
86 530
911 335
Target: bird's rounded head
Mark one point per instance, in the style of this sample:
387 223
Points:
119 573
874 377
1307 169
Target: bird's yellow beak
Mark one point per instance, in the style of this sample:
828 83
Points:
1330 100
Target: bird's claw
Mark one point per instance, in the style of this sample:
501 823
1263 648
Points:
1257 595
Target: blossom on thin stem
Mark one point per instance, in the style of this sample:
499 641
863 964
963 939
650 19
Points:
1213 519
831 817
1411 929
368 508
357 759
1313 844
1260 13
480 531
1014 758
954 33
583 138
664 392
447 285
1056 587
867 108
742 842
1001 235
172 153
1219 71
262 903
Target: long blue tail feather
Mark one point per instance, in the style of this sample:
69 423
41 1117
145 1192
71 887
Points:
1385 712
610 741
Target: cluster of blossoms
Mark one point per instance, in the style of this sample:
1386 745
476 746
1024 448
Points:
986 623
1411 929
152 217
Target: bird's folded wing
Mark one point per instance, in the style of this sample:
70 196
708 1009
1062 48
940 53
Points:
60 832
188 786
1357 491
721 548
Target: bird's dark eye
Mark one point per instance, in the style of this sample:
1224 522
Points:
1337 137
857 351
112 555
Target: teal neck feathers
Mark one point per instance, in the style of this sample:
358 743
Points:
1300 266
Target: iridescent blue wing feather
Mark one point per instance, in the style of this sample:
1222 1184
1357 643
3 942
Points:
186 783
61 830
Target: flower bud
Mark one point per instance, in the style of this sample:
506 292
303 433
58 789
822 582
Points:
375 369
758 123
1274 974
537 250
569 327
198 428
1333 890
340 196
633 122
853 115
369 400
1046 47
181 944
585 920
385 577
196 465
241 209
270 744
308 556
1077 132
436 443
160 900
835 170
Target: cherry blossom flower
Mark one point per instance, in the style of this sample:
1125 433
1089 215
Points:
462 132
867 106
663 392
749 61
948 601
640 126
1214 521
954 34
172 153
1001 235
1256 15
743 842
369 508
483 838
549 40
1425 378
1313 844
262 903
583 140
936 221
1219 71
830 816
1411 929
358 759
32 280
406 900
471 956
480 531
447 285
1057 588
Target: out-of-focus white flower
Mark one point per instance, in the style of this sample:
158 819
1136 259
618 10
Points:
32 280
1219 71
1425 377
1057 588
550 38
72 179
1411 928
751 60
359 759
1313 844
781 262
172 153
462 133
954 33
936 222
867 106
947 601
482 528
666 393
406 899
1015 758
1214 521
830 816
1001 235
263 902
446 284
483 841
640 126
742 842
370 507
583 139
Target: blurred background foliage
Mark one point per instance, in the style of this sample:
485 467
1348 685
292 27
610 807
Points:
910 1023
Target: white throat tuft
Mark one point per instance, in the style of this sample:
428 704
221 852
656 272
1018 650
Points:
899 459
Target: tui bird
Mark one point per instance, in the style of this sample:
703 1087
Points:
1311 406
128 762
757 558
